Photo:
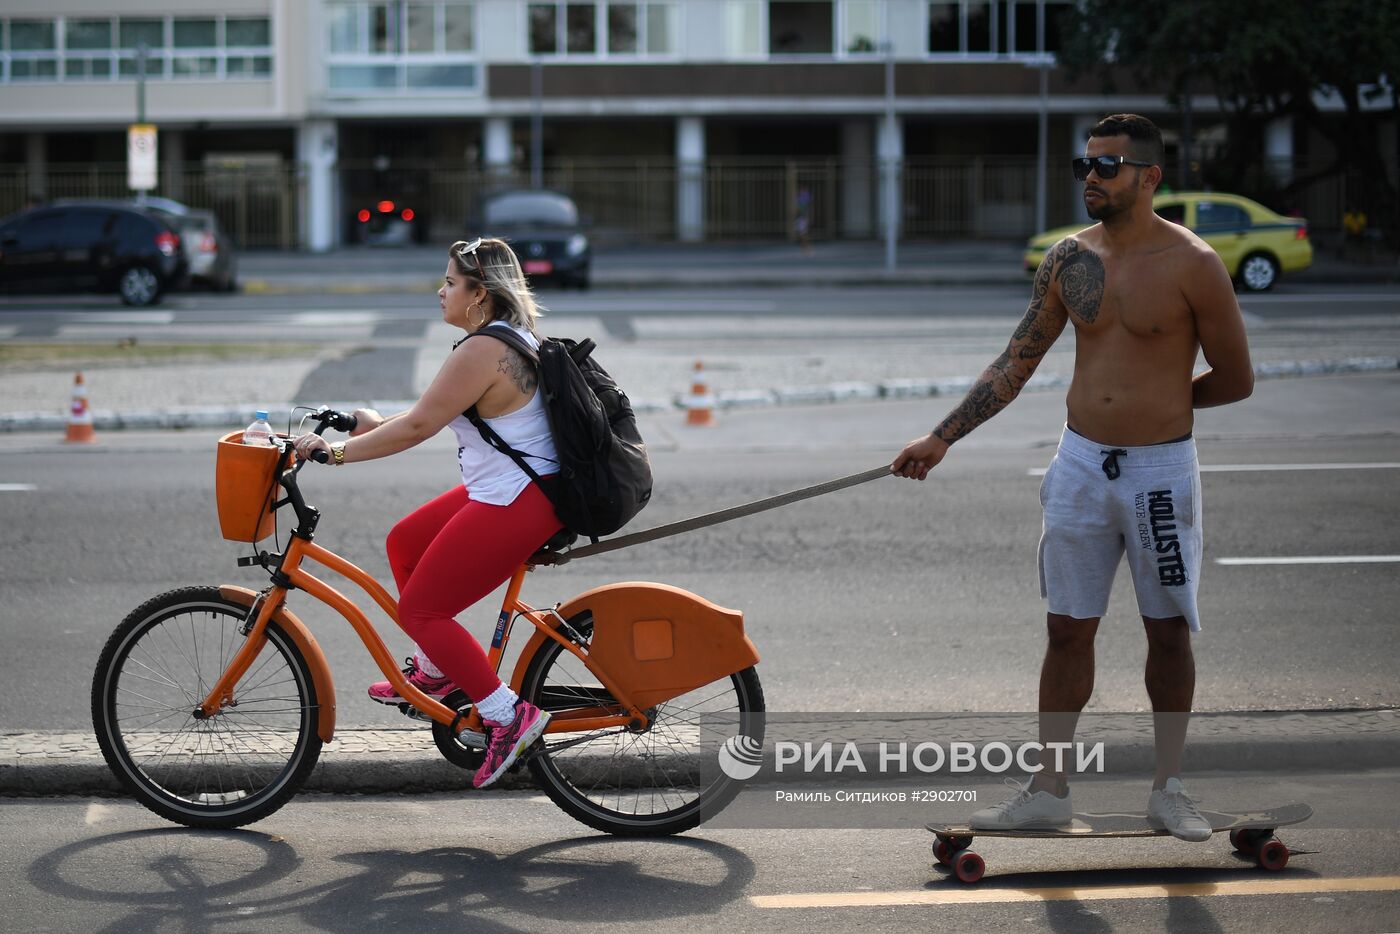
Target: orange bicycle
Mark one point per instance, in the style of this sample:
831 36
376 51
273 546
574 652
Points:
211 703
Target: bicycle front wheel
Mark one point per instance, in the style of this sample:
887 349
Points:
662 781
225 771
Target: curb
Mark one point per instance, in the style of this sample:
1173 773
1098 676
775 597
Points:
236 415
46 763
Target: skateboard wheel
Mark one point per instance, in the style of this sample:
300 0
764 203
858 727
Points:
968 866
1239 839
943 852
1273 855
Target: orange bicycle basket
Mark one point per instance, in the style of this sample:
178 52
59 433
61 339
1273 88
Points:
245 478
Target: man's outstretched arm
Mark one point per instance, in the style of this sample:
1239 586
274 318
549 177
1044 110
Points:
1003 379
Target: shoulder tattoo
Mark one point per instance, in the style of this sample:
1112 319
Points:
518 369
1080 276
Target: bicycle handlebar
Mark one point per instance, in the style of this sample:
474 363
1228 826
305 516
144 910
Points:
330 418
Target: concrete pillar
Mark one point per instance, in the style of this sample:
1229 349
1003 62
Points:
1079 134
318 142
172 161
498 150
690 179
1278 149
36 166
890 154
857 178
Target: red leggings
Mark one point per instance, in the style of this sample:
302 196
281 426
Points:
447 555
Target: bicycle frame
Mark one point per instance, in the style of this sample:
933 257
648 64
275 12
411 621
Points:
652 642
300 549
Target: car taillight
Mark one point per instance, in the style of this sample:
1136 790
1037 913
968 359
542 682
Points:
207 244
407 214
167 243
1300 232
363 215
386 207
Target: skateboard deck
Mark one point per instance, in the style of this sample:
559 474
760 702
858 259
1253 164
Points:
1251 833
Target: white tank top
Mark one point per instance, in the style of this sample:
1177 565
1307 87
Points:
490 476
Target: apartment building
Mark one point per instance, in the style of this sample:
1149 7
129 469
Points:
684 119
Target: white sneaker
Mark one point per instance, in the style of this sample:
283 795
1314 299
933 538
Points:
1024 811
1171 809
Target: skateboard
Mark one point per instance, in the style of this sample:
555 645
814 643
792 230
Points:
1251 833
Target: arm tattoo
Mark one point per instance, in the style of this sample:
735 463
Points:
521 373
1002 381
1081 282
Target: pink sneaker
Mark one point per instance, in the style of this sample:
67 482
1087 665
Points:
438 688
504 744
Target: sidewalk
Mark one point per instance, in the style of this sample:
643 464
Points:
360 270
405 760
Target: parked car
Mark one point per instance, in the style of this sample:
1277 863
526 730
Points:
387 222
213 263
544 230
93 246
208 251
1255 244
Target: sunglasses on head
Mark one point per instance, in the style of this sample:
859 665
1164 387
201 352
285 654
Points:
1106 166
470 250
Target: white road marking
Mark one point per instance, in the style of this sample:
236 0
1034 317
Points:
975 896
1311 559
120 317
96 813
1251 468
1328 298
17 488
316 319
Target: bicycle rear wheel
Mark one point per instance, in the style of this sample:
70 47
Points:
225 771
662 781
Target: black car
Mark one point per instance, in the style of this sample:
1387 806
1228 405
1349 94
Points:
91 246
543 228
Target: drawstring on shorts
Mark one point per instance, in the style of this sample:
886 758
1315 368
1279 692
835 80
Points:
1110 463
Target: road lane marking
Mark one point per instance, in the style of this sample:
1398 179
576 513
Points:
1252 468
17 488
1311 559
96 813
989 894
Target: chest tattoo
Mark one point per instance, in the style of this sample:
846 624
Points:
1081 278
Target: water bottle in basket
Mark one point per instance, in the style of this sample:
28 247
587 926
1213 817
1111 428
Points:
260 432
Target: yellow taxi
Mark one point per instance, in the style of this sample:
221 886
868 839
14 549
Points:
1256 244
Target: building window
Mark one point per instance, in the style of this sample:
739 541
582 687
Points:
595 30
800 27
402 46
744 28
1024 29
861 30
107 48
967 28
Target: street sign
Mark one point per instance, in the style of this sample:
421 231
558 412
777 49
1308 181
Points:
141 156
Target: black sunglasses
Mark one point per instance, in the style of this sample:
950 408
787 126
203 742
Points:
1106 166
470 250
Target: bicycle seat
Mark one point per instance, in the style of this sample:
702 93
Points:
557 542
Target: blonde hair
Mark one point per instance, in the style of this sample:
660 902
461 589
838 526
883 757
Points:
494 265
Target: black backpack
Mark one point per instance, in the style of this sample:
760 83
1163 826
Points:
604 476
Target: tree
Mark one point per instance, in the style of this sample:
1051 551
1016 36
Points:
1263 60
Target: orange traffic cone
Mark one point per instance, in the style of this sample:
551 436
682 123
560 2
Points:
699 405
79 416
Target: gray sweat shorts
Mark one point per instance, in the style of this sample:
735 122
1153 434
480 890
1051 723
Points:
1101 502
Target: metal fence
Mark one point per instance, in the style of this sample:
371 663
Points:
257 206
261 206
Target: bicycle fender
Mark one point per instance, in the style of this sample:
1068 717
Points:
306 644
657 640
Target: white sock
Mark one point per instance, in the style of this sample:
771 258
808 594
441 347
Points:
499 705
426 665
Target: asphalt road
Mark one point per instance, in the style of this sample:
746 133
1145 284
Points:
502 861
890 596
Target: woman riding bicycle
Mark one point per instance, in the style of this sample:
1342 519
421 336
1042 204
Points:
459 547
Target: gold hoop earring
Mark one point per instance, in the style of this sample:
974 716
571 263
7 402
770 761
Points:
476 304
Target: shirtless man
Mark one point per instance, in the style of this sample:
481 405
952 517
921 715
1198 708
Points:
1143 295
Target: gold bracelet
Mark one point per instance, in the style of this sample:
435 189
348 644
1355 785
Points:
338 452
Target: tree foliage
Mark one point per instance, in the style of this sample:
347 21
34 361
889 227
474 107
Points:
1262 60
